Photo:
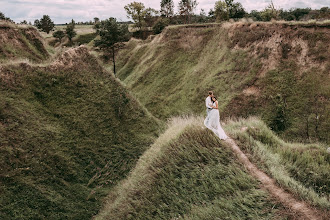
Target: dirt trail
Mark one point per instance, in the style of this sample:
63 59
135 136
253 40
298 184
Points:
299 207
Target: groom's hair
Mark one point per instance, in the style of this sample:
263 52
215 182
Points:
210 93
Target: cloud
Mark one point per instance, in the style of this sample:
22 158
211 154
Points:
62 11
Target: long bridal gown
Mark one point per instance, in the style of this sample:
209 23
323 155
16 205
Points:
212 122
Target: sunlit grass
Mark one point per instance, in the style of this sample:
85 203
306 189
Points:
188 173
300 168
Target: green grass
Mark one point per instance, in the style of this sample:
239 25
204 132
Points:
188 173
85 39
58 128
302 169
172 74
22 43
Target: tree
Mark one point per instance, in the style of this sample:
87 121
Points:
59 35
167 8
112 36
270 12
235 9
45 24
228 9
70 32
96 20
3 17
221 11
160 25
255 15
186 8
136 11
150 16
202 18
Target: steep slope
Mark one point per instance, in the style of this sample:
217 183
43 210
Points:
59 126
188 173
21 42
278 71
302 169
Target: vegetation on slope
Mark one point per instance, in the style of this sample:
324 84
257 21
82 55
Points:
302 169
255 68
60 125
19 42
188 173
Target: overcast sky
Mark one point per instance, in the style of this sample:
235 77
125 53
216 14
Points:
62 11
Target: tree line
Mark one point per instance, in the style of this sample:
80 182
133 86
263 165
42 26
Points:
113 33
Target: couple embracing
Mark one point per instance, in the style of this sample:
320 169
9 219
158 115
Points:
212 120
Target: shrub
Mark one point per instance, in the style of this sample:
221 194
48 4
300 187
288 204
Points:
160 25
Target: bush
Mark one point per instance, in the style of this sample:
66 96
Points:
59 35
160 25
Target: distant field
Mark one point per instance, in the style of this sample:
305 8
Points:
80 29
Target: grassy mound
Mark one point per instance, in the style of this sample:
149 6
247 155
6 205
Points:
21 42
277 71
59 126
302 169
188 173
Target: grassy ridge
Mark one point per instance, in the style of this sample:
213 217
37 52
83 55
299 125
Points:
255 69
19 42
60 125
188 173
303 169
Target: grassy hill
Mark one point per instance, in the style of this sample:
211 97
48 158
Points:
21 42
60 125
302 169
278 71
188 173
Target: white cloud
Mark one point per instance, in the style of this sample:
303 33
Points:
62 11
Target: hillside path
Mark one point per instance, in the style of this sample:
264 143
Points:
285 198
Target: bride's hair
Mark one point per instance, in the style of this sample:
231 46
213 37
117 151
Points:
214 98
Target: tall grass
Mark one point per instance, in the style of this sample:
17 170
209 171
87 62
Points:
302 169
20 42
59 126
188 173
172 73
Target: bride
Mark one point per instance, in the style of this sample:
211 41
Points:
212 121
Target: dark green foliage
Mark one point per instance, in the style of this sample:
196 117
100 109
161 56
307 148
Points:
85 38
57 128
255 15
293 14
160 25
69 31
235 9
186 9
112 36
297 104
44 24
3 17
59 35
167 8
136 11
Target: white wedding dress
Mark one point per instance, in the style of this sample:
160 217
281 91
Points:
212 122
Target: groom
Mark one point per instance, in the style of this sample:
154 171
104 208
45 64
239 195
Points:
208 103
